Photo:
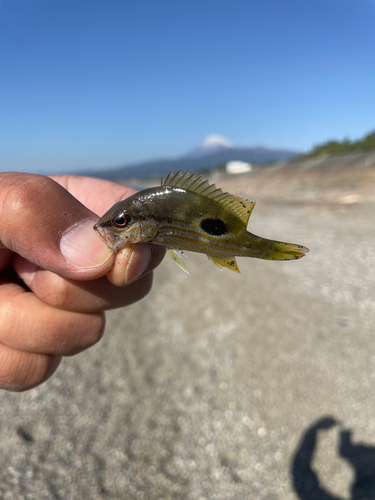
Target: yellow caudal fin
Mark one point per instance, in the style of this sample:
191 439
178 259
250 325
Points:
261 248
287 251
229 262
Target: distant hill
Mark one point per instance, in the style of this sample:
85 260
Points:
334 147
214 151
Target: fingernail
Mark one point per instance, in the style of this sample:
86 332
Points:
27 271
138 263
81 246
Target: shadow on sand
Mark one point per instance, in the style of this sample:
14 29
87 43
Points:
359 456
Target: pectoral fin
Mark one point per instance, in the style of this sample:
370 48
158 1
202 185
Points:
179 257
229 262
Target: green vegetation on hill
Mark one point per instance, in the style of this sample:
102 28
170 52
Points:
336 147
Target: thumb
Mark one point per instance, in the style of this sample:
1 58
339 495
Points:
45 224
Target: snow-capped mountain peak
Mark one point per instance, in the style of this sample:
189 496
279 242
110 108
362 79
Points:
212 144
214 140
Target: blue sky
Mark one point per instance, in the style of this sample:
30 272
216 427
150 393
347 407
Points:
92 83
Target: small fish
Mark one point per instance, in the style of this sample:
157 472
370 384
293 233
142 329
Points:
187 213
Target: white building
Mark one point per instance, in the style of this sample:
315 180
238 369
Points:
237 167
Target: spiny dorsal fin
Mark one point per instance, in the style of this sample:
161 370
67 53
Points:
239 204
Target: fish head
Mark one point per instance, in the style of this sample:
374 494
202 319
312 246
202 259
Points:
124 224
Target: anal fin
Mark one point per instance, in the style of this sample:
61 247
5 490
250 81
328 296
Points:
179 257
229 262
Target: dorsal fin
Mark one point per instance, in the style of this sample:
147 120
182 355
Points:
239 204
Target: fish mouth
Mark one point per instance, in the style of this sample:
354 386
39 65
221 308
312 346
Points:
112 240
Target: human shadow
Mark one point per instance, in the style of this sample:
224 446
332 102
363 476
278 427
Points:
361 458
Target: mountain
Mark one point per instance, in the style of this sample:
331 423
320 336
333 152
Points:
211 145
212 153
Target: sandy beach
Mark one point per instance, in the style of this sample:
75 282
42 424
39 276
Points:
224 386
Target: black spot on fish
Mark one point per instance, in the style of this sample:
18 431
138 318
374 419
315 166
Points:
216 227
169 219
248 245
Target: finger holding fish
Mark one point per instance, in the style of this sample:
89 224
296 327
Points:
101 294
130 263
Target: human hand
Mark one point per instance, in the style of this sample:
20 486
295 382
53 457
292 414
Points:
47 240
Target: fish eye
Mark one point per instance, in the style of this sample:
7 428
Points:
121 220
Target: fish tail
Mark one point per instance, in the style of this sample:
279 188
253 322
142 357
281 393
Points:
261 248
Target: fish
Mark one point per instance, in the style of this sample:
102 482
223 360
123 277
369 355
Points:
188 213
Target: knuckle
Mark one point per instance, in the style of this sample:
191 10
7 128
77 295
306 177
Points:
95 328
20 371
54 289
36 371
25 198
22 189
91 331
